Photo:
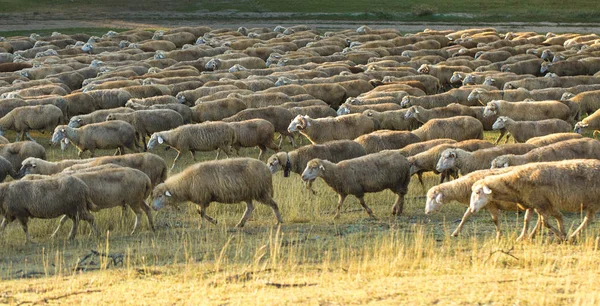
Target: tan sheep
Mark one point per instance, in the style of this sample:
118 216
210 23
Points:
529 111
225 181
348 108
386 140
442 73
555 180
34 165
332 93
190 96
327 129
588 101
525 130
568 149
16 152
466 162
103 135
147 122
252 133
206 136
26 118
314 111
96 116
262 99
541 141
162 99
183 110
423 115
458 128
416 148
371 173
392 120
109 98
79 103
278 116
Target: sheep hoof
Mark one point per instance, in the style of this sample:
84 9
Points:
455 234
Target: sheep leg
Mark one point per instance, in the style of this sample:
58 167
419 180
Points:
364 205
23 221
559 233
507 138
262 150
464 219
589 217
271 203
193 155
526 220
87 216
537 227
203 215
494 214
29 136
398 206
420 177
60 223
218 152
175 160
339 208
249 209
3 224
292 141
138 216
148 212
502 132
73 228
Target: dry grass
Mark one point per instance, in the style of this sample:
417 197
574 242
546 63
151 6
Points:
311 259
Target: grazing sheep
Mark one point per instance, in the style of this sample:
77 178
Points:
529 111
206 136
217 110
466 162
16 152
147 122
25 118
458 128
327 129
460 190
226 181
252 133
46 199
552 138
568 149
525 130
555 180
386 140
96 116
104 135
370 173
590 122
278 116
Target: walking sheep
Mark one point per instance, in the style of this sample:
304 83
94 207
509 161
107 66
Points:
252 133
149 121
26 118
568 149
327 129
104 135
226 181
458 128
466 162
525 130
386 140
16 152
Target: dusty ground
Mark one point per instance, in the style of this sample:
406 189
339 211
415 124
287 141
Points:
145 19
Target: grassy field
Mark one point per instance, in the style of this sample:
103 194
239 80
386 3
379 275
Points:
425 10
310 259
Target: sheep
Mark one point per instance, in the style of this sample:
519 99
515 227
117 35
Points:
556 181
423 115
327 129
442 73
46 199
149 121
347 108
252 133
79 103
278 116
588 101
541 141
531 66
34 165
392 120
162 99
567 149
109 98
206 136
466 162
183 110
16 152
225 181
96 116
331 93
525 130
262 100
460 190
416 148
222 64
217 109
386 140
458 128
25 118
370 173
6 168
190 96
529 111
103 135
484 96
116 186
314 111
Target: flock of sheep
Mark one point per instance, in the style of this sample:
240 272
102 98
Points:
376 106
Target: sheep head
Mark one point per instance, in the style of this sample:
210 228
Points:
505 68
279 29
273 162
424 69
411 112
158 34
243 31
237 67
580 126
469 80
110 117
213 64
405 101
155 140
545 67
474 94
447 160
490 109
343 110
299 123
28 166
434 201
314 168
363 29
59 133
457 77
567 96
489 81
161 196
481 195
180 98
502 161
88 47
500 123
557 58
546 55
76 122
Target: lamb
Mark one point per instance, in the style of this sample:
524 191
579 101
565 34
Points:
147 122
226 181
370 173
423 115
278 116
103 135
557 181
466 162
96 117
460 190
458 128
206 136
386 140
16 152
347 108
568 149
552 138
46 199
529 111
525 130
183 110
25 118
392 120
327 129
217 110
252 133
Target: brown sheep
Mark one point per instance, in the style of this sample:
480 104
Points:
529 111
327 129
252 133
26 118
392 120
552 138
466 162
183 110
423 115
103 135
226 181
568 149
525 130
96 116
386 140
16 152
147 122
278 116
458 128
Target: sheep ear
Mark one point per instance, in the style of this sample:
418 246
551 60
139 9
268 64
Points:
321 168
168 194
160 140
438 198
486 189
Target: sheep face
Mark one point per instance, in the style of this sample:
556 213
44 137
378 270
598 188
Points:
213 64
567 96
313 169
501 162
410 113
500 123
180 98
434 201
545 66
457 77
424 69
343 110
59 134
160 196
87 48
469 80
28 167
273 164
546 55
281 81
447 161
474 95
489 81
76 122
110 117
490 109
405 101
579 127
154 141
236 68
481 195
299 123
